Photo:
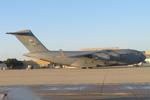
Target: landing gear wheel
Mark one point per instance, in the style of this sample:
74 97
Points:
83 67
90 67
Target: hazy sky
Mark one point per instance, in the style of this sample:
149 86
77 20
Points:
75 24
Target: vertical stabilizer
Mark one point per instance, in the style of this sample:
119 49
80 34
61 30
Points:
27 38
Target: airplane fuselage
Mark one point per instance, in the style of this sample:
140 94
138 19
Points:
116 57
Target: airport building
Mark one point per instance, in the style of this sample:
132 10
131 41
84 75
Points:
35 64
147 60
3 66
147 53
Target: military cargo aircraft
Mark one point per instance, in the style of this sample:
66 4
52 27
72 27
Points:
77 58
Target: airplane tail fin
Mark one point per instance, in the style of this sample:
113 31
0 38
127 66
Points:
27 38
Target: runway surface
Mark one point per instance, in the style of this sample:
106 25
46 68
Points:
117 83
78 92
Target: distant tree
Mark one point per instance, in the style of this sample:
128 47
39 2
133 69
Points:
1 62
13 63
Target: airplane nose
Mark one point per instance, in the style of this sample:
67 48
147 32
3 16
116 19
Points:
143 58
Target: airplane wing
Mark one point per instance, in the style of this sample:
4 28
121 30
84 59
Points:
89 53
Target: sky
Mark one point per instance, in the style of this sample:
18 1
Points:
75 24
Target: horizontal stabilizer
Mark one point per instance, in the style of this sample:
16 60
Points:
24 32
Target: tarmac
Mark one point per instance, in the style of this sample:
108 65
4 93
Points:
107 83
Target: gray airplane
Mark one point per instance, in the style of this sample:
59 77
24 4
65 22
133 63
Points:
78 58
